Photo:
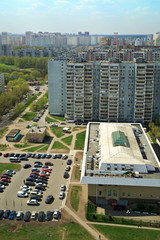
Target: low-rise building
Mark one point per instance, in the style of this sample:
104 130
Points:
36 134
120 165
13 135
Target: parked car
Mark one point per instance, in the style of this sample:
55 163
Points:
59 155
24 159
11 171
43 155
44 175
6 176
61 195
32 202
33 176
35 170
54 156
14 159
54 125
63 123
20 215
38 193
22 194
49 199
31 179
69 162
66 175
29 155
12 215
27 166
48 156
42 184
4 179
46 170
41 181
64 156
29 183
40 187
38 165
1 190
6 214
2 186
22 155
4 183
26 187
67 168
48 163
49 215
56 214
5 154
34 196
41 216
63 187
34 215
11 154
27 216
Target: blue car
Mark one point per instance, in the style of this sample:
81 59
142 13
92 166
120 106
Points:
43 155
12 215
35 170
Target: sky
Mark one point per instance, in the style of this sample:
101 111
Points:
72 16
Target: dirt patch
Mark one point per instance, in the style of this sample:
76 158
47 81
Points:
15 227
78 157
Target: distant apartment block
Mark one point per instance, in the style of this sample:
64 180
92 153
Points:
105 91
2 83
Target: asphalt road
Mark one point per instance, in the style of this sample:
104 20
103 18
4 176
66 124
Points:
9 199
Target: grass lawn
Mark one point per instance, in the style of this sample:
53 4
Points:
77 128
12 166
77 173
59 145
121 233
58 131
3 147
3 131
80 138
29 116
20 231
67 140
33 149
21 145
50 120
45 148
74 197
59 118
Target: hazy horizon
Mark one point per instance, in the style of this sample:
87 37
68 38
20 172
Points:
71 16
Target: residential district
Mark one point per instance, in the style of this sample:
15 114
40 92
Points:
83 145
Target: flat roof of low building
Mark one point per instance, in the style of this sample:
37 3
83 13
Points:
13 133
37 130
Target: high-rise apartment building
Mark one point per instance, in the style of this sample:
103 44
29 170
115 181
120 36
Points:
108 91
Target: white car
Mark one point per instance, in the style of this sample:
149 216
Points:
32 202
36 193
42 184
63 187
61 195
26 187
22 194
2 186
56 214
54 125
64 156
67 168
34 215
25 190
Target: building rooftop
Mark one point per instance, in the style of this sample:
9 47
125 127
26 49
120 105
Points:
105 162
37 130
13 133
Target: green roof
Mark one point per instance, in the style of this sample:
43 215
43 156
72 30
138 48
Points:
119 139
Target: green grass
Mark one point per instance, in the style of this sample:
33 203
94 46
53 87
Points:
33 149
21 120
74 197
59 145
121 233
45 148
59 118
21 145
77 173
67 140
12 166
50 120
29 116
3 147
80 138
3 131
58 131
66 231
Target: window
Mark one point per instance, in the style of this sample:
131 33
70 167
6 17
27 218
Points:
123 194
115 193
100 192
129 194
109 193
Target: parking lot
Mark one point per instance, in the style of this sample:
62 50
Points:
9 199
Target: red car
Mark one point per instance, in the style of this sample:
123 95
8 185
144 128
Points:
43 175
46 170
5 180
36 173
48 164
5 154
